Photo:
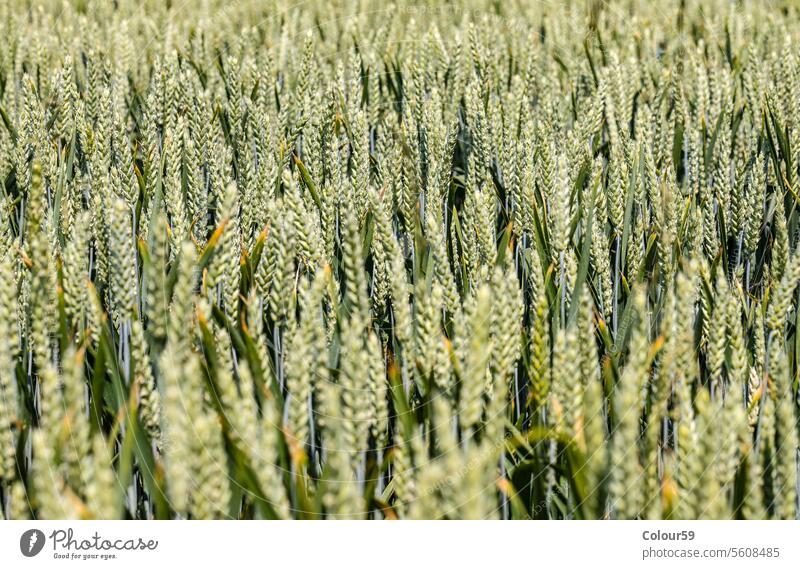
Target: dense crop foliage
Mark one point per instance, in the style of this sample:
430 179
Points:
267 259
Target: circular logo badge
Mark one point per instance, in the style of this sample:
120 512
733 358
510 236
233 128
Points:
31 542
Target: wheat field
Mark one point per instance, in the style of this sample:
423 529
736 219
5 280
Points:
468 260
